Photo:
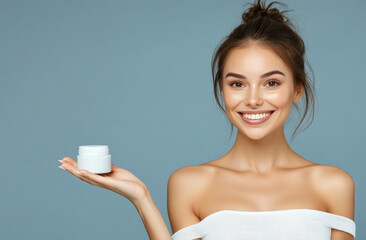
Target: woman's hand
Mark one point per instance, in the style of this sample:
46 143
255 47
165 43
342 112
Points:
119 180
128 185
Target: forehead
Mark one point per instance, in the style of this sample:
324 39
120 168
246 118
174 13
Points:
254 58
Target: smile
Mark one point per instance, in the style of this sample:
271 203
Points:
255 118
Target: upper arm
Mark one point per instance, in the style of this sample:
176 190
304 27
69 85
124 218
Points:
183 188
339 192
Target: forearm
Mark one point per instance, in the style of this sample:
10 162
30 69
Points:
152 219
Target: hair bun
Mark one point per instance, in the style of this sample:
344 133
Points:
259 9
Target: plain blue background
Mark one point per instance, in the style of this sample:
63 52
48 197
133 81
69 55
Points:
135 75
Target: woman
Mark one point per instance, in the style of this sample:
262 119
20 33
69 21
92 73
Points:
260 189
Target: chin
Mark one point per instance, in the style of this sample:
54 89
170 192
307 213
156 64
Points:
254 135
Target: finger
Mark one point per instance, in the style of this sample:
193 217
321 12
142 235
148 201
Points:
74 171
74 163
69 160
69 167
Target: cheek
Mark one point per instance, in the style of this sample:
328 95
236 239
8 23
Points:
232 99
280 99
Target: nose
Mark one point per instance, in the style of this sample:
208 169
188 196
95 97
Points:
253 98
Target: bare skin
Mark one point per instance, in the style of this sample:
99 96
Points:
261 172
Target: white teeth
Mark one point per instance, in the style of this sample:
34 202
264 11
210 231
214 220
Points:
256 116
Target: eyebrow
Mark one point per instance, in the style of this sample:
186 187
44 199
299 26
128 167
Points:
230 74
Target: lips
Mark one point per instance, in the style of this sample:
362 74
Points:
255 121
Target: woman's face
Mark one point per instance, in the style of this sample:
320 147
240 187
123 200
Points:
256 79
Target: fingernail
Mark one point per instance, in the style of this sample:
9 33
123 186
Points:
61 161
78 172
61 167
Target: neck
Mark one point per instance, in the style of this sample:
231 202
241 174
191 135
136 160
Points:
261 156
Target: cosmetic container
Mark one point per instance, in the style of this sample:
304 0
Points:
94 158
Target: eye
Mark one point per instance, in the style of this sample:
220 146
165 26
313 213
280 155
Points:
234 82
273 82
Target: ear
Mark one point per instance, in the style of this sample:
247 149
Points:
298 93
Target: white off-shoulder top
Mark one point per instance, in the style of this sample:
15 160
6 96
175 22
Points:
288 224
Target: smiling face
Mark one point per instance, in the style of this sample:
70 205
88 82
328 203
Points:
257 79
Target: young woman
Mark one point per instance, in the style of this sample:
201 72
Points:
261 189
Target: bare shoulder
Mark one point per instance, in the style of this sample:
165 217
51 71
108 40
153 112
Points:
189 181
336 187
329 176
185 186
185 176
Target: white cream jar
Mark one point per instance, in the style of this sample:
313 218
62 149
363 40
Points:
94 158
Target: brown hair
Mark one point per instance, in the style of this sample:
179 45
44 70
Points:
269 27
